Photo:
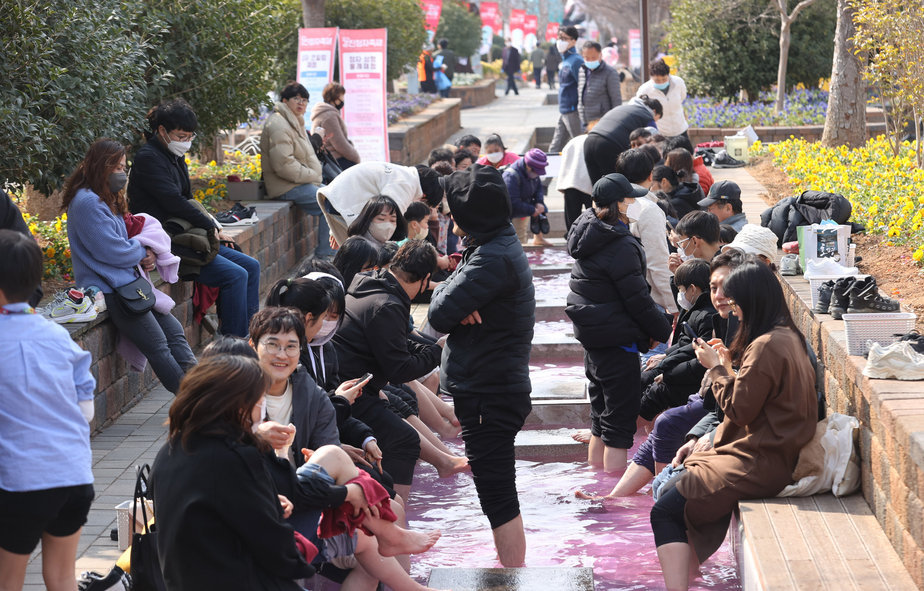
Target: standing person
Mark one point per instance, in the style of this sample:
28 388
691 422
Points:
159 185
449 58
610 136
598 85
511 66
537 58
614 316
442 81
487 307
771 411
527 195
425 71
291 169
670 91
326 115
47 393
552 62
573 180
104 255
569 121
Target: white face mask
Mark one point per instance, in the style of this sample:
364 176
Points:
683 302
633 211
328 327
494 157
382 231
682 251
422 232
177 148
562 45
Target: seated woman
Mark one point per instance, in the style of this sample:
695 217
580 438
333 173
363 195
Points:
527 194
686 197
496 154
356 255
104 255
326 115
210 477
160 186
770 411
291 169
380 221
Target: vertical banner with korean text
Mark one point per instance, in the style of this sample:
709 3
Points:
316 60
635 49
517 20
489 12
551 32
362 73
531 32
431 10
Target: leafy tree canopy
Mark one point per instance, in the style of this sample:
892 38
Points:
460 27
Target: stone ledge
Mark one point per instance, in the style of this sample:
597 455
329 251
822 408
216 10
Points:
476 95
411 139
810 133
891 414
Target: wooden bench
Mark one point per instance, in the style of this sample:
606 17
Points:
818 542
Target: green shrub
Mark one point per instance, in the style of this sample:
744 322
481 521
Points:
460 27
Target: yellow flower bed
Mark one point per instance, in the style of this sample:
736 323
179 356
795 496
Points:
883 188
56 250
215 177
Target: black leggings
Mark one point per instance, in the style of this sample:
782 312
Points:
489 425
399 442
667 521
575 202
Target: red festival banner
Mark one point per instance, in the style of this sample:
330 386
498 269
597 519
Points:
315 60
489 15
517 18
551 32
431 10
531 25
362 73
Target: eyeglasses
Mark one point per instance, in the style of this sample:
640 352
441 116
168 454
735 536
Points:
273 348
682 244
182 138
300 101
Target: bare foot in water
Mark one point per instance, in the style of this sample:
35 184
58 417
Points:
397 541
582 436
538 240
452 465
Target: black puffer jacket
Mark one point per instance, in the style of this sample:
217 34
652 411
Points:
686 198
493 279
619 122
811 207
680 367
609 303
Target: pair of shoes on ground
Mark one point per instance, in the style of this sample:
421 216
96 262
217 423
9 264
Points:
73 305
238 215
116 580
898 361
851 295
723 160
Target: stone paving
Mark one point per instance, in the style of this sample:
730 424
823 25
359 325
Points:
136 436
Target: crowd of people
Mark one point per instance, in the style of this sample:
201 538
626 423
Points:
294 436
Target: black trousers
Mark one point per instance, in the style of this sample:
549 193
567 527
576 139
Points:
399 442
511 83
667 520
490 422
600 156
615 383
575 203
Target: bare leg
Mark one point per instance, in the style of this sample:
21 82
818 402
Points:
614 459
675 565
375 567
538 240
59 554
595 452
446 464
430 416
581 436
445 409
510 541
403 490
432 382
636 477
426 433
403 559
13 570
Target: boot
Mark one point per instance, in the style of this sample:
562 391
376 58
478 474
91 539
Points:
868 299
840 299
853 294
824 297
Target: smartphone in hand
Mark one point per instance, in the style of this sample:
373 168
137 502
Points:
689 331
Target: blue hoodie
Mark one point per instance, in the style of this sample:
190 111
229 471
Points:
571 64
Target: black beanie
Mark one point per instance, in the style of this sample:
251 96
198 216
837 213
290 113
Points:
478 200
430 185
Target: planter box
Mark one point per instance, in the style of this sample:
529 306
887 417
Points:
411 139
810 133
476 95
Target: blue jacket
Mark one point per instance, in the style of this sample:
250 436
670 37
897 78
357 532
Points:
524 192
571 64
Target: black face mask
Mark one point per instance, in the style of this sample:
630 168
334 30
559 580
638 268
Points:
423 287
338 105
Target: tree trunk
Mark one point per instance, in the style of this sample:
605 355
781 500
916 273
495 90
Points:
313 13
845 122
785 30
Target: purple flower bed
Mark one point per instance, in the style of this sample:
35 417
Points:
802 107
403 105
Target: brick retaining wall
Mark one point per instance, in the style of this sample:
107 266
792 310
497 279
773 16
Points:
891 414
810 133
282 238
476 95
411 139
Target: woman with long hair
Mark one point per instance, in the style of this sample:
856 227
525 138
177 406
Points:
105 256
771 410
380 220
210 479
355 256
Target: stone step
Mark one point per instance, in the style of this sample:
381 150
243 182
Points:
562 351
575 413
513 579
548 444
551 312
546 270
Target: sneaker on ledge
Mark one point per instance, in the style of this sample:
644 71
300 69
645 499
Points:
70 306
723 160
789 265
238 216
898 361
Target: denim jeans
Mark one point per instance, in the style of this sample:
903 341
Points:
238 278
160 339
306 198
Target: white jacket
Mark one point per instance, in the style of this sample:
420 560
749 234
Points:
353 187
651 230
673 122
572 173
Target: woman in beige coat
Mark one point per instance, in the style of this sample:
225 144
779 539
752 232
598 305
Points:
291 169
326 115
770 409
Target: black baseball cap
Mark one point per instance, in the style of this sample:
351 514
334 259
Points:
724 191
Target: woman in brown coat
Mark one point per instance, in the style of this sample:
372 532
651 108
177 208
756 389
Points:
327 115
770 414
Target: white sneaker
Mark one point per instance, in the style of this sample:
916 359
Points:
897 361
70 306
827 268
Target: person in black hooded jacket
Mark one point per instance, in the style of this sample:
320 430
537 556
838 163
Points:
613 314
487 307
